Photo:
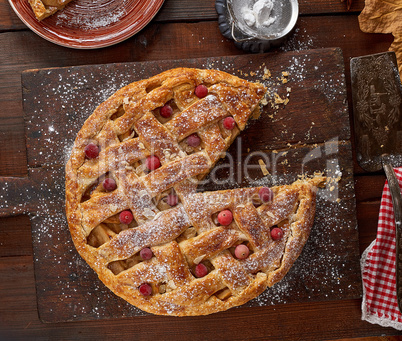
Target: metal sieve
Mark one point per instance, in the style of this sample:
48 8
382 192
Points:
285 13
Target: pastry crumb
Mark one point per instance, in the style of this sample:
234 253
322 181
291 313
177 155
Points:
263 167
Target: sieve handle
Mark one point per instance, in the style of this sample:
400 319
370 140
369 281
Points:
239 40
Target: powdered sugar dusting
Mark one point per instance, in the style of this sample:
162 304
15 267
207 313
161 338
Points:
88 15
91 21
320 269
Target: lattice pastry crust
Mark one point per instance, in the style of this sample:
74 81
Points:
45 8
178 236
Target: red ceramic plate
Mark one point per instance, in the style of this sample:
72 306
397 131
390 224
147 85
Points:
89 24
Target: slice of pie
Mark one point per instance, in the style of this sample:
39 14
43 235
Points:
45 8
135 215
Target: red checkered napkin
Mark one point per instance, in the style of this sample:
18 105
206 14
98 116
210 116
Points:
378 268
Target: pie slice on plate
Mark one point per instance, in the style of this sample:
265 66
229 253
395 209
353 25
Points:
135 215
45 8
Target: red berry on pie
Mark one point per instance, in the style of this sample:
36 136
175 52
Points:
201 270
265 194
225 217
193 140
172 200
153 162
201 91
276 233
166 111
91 151
146 253
229 123
109 184
145 289
241 251
126 217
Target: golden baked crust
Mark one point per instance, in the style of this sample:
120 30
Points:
45 8
128 128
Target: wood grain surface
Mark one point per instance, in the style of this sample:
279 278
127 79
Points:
295 139
188 10
182 29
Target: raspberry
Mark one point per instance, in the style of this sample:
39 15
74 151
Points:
201 270
91 151
276 233
229 123
172 200
225 217
241 251
126 217
153 162
193 140
265 194
201 91
109 184
146 253
145 289
166 111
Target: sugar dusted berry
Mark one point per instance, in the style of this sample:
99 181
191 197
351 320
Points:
91 151
109 184
146 253
265 194
193 140
276 233
201 91
225 217
145 289
172 200
229 123
126 217
241 251
201 270
153 162
166 111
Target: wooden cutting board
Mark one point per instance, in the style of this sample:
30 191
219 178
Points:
310 133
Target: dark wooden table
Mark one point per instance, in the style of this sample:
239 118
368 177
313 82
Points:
182 29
